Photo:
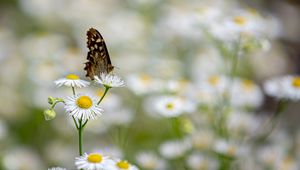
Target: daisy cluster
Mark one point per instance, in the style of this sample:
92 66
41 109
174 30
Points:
83 106
209 86
96 161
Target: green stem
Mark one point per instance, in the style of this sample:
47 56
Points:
55 103
84 124
175 123
77 127
274 120
80 130
226 98
106 90
235 59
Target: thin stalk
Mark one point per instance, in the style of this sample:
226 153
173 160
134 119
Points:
274 120
84 124
176 126
226 98
106 90
77 127
80 137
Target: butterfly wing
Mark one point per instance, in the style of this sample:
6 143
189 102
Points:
98 57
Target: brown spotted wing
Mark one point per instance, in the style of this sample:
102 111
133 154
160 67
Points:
98 57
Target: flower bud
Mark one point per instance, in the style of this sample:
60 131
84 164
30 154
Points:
187 125
51 100
49 114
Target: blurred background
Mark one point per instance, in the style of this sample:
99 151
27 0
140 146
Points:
159 47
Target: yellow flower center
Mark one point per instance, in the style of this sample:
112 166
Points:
296 82
170 106
123 164
248 84
84 102
145 78
214 80
72 77
94 158
239 20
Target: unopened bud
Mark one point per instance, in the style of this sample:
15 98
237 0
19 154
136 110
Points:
49 114
51 100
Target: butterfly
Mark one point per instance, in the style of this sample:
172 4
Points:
98 57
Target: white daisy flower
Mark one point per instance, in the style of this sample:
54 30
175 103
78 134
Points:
83 106
287 87
123 165
291 86
207 14
197 161
246 93
93 161
242 23
168 106
177 86
109 80
57 168
273 87
174 149
149 160
142 84
202 139
229 148
71 80
217 84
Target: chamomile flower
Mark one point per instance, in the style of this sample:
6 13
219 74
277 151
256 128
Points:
83 106
229 148
57 168
287 87
71 80
174 149
168 106
245 93
202 139
210 89
142 84
149 160
93 161
273 87
197 161
243 22
291 86
109 80
123 165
